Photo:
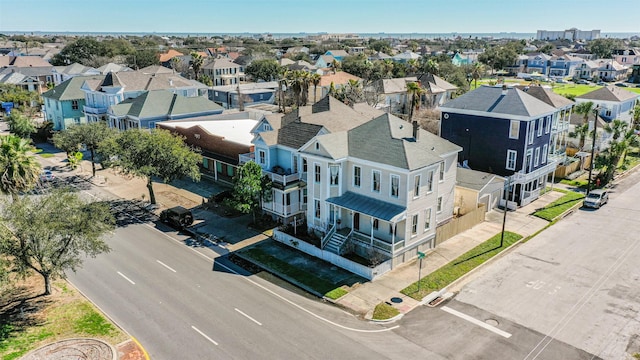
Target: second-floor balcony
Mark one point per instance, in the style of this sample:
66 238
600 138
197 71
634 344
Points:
95 109
284 210
245 158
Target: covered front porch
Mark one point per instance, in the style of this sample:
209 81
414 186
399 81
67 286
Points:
364 225
527 187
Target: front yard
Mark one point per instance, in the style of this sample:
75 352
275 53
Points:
558 207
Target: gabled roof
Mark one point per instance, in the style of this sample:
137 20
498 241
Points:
609 93
491 100
156 69
379 56
335 53
23 61
220 64
71 88
401 149
475 180
397 85
111 67
74 69
139 81
430 80
337 78
548 96
160 103
164 57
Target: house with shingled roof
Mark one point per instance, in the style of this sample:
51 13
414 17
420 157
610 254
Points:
504 131
63 73
64 104
331 179
114 88
144 111
222 71
614 102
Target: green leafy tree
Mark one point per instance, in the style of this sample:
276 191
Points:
90 135
20 125
143 58
205 79
19 168
498 57
250 189
603 48
380 46
80 51
635 116
53 233
21 98
580 132
265 69
152 154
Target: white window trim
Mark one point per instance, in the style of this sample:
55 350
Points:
515 159
359 177
319 215
548 127
540 126
391 186
331 175
317 175
415 220
531 132
430 182
441 172
536 157
545 150
260 157
516 124
439 204
416 186
427 219
373 187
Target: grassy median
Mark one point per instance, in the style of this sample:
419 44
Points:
466 262
558 207
29 321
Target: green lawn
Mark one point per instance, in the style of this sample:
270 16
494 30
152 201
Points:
466 262
62 315
308 279
336 293
556 208
574 89
384 311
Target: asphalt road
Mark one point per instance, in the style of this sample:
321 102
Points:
578 282
182 304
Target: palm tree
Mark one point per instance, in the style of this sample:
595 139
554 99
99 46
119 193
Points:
175 63
196 63
412 66
476 73
416 91
580 132
635 116
430 66
20 170
315 80
585 109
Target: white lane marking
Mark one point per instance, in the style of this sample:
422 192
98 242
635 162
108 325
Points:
476 322
204 335
165 265
126 278
248 317
268 290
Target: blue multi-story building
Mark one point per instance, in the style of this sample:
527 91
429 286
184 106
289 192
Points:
504 131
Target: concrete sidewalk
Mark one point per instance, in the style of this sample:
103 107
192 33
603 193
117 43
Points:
363 299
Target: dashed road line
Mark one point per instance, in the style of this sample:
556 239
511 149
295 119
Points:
204 335
165 265
248 317
126 278
476 322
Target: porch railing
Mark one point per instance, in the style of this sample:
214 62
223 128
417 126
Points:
282 209
245 158
327 237
377 243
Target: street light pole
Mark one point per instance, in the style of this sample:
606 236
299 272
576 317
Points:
593 146
506 207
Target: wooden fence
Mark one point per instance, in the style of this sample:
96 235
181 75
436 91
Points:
460 224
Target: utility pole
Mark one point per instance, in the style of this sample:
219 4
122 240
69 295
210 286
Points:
593 146
506 208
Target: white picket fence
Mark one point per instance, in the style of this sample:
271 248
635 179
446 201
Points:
354 267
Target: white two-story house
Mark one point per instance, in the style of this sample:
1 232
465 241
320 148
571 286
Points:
384 186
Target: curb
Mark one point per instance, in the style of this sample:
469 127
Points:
144 351
387 321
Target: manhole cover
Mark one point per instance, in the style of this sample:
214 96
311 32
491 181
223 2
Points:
492 322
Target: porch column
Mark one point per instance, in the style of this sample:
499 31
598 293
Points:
393 238
333 210
372 231
215 169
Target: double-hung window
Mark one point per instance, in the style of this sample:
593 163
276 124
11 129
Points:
531 132
395 186
540 126
334 172
439 206
545 149
262 157
316 206
416 186
317 173
74 105
441 171
427 219
414 225
536 158
376 181
511 159
357 176
430 181
548 128
514 129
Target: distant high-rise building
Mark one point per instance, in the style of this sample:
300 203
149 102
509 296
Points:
572 34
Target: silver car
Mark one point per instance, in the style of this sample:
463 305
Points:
596 198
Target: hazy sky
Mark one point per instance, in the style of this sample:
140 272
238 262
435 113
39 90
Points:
292 16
